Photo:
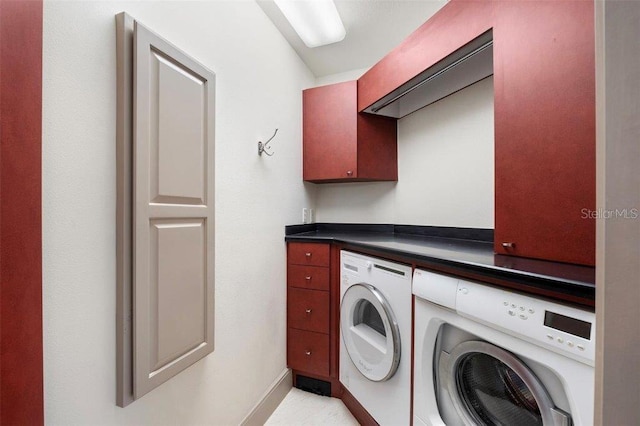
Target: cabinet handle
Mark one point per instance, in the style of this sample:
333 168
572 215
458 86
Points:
307 278
308 311
308 254
349 173
307 353
508 245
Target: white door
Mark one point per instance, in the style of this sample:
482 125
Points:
370 332
173 217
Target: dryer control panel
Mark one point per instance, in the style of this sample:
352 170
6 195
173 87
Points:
564 329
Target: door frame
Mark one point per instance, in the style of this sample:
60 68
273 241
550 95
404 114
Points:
21 336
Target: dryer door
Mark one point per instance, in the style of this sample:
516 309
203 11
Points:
490 386
370 332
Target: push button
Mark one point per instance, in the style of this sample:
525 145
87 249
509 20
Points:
532 311
523 317
550 337
513 314
521 308
580 347
560 340
570 343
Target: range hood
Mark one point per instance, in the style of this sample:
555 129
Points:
467 65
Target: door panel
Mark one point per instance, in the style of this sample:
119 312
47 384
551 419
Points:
178 123
545 156
453 26
310 277
21 319
312 254
330 151
308 310
178 289
173 211
308 351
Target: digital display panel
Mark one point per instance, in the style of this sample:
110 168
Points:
567 324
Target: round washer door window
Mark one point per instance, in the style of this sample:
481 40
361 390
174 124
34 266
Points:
490 386
370 332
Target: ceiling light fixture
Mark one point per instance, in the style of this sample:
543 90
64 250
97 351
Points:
317 22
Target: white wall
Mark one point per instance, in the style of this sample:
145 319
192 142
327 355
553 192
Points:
445 170
340 77
259 78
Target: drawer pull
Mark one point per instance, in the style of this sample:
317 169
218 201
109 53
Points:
308 311
308 254
307 278
307 353
508 245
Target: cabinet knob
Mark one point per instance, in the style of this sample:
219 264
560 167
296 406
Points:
349 173
308 254
307 353
308 311
307 278
508 245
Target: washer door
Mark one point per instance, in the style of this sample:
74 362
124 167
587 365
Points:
490 386
370 332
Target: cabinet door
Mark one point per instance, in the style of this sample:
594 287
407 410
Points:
308 351
22 398
453 26
544 79
329 121
309 277
173 211
308 310
310 254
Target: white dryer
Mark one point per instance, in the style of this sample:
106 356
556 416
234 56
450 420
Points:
486 356
375 325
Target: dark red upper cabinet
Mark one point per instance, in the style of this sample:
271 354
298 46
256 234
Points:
544 84
341 145
452 28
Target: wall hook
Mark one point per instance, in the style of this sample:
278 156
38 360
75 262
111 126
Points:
264 147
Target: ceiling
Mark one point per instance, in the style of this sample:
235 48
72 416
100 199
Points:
374 28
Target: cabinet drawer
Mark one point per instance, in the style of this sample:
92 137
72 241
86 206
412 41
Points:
309 254
308 351
308 310
311 277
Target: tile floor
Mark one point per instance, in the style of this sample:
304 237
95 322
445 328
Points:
304 408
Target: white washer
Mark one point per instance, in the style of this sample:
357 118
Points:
375 325
486 356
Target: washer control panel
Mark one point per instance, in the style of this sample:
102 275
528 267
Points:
563 328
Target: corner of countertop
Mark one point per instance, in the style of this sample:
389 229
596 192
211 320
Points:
299 228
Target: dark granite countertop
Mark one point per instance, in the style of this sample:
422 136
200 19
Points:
463 249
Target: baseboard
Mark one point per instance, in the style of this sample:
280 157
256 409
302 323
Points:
269 401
